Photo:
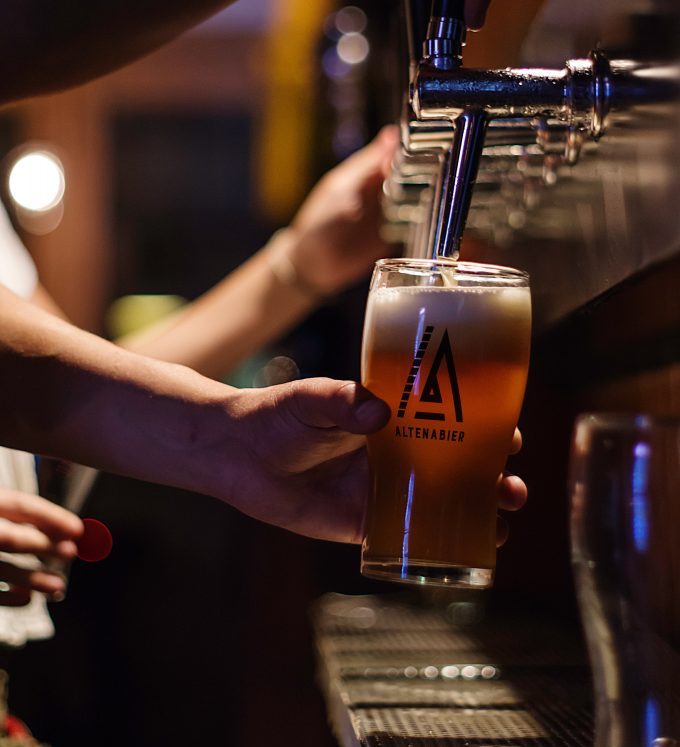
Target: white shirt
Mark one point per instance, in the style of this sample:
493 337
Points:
17 468
17 270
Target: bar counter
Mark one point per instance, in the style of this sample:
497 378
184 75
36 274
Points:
396 673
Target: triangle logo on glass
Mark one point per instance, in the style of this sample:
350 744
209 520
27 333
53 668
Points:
442 373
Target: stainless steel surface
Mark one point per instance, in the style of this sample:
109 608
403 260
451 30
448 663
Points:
556 198
453 187
396 674
445 39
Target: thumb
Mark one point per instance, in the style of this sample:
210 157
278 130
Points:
380 152
374 159
387 140
327 403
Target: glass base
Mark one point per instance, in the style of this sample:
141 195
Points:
427 574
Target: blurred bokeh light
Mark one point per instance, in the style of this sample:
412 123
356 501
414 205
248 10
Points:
36 181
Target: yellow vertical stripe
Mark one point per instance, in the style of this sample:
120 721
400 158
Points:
285 132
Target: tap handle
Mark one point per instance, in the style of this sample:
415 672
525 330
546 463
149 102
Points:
417 17
457 178
449 9
443 45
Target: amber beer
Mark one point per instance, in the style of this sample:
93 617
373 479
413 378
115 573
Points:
446 345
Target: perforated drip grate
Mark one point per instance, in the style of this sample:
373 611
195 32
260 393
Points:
425 669
414 640
408 693
337 614
505 682
527 691
449 724
370 663
569 725
372 630
530 644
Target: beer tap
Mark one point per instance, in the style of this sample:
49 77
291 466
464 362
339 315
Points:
442 52
455 116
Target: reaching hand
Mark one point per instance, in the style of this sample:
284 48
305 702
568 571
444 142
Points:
301 461
29 524
338 226
475 13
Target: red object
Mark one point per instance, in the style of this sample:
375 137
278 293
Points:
14 727
96 541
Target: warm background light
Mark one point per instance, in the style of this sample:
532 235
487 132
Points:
36 181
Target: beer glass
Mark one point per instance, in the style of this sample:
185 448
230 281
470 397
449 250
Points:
446 345
625 514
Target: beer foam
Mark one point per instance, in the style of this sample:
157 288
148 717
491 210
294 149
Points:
393 313
439 304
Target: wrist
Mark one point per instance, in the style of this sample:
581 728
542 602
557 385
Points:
175 427
289 269
200 436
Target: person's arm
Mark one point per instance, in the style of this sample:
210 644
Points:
49 46
250 307
290 455
333 242
43 300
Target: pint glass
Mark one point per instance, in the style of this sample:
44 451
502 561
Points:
446 345
625 508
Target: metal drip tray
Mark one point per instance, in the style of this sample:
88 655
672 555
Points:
435 683
513 690
436 724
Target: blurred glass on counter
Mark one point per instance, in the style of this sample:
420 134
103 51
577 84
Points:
625 514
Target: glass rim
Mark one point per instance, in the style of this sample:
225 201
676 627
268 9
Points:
465 269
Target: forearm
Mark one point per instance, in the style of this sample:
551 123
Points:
251 307
48 46
67 393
